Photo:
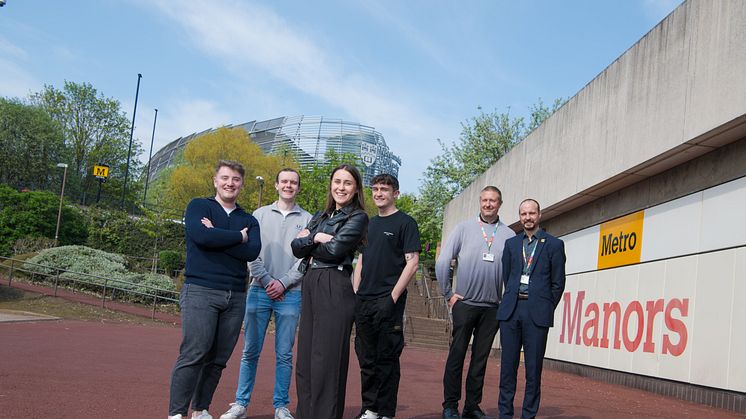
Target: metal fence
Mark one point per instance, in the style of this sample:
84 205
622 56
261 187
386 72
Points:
109 287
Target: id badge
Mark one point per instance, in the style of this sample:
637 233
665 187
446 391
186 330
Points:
488 257
524 279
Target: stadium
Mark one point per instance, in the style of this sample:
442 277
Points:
309 137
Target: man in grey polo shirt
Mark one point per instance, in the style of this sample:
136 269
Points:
275 288
477 245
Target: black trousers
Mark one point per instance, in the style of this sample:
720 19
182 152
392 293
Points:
468 320
327 310
379 340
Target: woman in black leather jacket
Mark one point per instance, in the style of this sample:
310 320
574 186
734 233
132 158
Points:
328 246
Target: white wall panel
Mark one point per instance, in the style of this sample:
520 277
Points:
672 229
581 248
723 220
680 283
737 355
711 316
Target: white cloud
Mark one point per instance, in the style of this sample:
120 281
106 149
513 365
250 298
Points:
8 48
16 82
248 36
181 118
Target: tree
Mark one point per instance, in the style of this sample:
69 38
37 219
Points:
31 144
315 182
34 214
484 139
193 177
96 131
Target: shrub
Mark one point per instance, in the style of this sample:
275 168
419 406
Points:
31 244
170 261
34 214
89 269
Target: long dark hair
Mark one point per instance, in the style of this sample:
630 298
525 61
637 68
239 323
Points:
358 200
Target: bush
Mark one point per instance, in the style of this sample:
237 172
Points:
31 244
170 261
90 269
34 214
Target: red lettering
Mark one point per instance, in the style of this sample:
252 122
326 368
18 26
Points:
591 325
632 344
626 328
676 326
571 321
609 309
653 308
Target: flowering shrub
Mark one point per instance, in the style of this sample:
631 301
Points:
90 269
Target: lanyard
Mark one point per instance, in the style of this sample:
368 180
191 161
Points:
530 258
484 233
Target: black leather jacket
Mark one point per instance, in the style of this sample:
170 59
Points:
348 227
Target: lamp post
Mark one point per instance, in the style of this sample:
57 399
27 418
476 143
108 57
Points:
129 150
150 157
260 181
62 195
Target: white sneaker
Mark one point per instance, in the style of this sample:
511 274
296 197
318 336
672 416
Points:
283 413
201 415
176 416
368 415
235 412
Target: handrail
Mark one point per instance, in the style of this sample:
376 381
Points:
108 284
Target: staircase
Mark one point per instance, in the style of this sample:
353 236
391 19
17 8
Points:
427 323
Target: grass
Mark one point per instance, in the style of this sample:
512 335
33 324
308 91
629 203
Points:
15 299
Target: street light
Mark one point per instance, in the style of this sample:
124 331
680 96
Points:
62 195
260 181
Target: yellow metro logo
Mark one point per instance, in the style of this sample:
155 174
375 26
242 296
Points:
101 171
620 241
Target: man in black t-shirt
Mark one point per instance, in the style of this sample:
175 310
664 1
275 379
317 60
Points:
384 268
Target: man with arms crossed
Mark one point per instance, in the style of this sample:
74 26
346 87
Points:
220 239
384 268
477 245
534 274
275 288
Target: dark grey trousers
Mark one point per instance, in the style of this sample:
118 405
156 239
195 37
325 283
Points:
327 309
210 325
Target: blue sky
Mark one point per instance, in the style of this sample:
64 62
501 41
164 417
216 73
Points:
414 70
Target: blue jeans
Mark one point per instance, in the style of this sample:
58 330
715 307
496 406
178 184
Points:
259 308
210 325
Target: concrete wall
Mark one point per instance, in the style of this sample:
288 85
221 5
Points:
677 94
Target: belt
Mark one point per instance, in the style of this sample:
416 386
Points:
523 296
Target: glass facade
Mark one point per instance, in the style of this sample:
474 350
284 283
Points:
310 137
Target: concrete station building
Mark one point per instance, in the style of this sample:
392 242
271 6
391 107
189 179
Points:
643 175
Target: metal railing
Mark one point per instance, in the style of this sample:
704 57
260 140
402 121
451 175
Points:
82 281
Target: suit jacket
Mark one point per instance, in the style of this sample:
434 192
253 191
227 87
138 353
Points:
546 277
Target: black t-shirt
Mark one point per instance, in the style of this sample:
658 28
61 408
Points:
389 238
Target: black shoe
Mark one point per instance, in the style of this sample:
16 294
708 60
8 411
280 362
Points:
451 413
475 413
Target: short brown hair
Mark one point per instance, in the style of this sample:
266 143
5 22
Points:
234 165
385 179
493 189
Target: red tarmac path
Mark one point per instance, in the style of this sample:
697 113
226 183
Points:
77 369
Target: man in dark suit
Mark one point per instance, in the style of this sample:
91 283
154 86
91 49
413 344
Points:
534 273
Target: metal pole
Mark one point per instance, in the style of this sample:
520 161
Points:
129 150
62 195
147 172
260 181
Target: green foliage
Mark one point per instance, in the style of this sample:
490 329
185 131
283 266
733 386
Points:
484 139
31 144
315 181
90 269
34 214
116 231
194 177
170 261
96 131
